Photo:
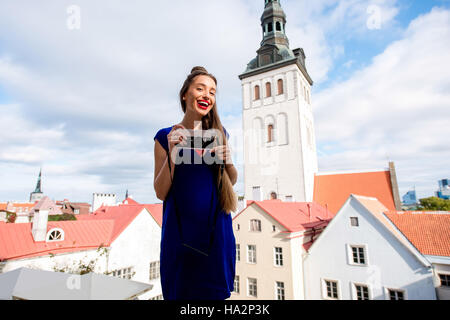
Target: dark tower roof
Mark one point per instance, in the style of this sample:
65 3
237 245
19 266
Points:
38 185
274 51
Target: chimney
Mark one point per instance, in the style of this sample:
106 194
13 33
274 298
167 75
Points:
309 211
39 225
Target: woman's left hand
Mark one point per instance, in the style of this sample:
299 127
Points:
223 152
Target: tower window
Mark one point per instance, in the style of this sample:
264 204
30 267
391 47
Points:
268 89
280 86
270 27
278 26
270 133
257 97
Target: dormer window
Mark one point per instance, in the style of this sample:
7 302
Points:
56 234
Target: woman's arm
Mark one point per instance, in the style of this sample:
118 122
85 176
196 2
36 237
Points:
232 173
162 179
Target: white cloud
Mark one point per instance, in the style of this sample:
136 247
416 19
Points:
397 108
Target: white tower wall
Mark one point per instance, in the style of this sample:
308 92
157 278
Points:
286 165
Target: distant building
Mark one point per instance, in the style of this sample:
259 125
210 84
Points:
37 194
103 199
409 198
69 207
444 189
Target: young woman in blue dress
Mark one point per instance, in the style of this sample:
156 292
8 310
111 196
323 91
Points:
198 200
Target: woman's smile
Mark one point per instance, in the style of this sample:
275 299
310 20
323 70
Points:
203 104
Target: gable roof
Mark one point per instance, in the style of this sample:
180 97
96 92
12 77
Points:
429 232
332 190
294 216
376 209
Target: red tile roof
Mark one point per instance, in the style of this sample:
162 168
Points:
294 216
122 216
332 190
429 232
16 239
3 206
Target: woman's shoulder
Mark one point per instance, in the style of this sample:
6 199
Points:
161 136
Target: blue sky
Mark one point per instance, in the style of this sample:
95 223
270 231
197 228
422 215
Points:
85 103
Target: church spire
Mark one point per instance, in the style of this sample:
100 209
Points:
273 22
274 51
38 185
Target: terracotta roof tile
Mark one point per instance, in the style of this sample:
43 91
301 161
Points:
429 232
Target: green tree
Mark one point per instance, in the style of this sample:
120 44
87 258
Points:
434 204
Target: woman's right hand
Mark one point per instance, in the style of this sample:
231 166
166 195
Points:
175 137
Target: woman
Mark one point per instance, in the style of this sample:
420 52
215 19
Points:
197 242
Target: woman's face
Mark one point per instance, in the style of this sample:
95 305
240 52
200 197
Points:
201 95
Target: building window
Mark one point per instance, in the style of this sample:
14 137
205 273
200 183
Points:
445 280
274 228
280 290
236 285
331 288
270 133
257 95
251 253
238 252
396 294
126 273
280 86
354 221
362 292
278 255
278 26
270 27
154 270
255 225
358 255
252 287
289 198
55 235
238 227
268 90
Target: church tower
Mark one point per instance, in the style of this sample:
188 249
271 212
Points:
37 194
280 157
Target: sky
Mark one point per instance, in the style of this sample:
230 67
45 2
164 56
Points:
85 86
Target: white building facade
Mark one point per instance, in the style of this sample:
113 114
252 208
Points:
361 255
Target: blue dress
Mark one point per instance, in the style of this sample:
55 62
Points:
185 273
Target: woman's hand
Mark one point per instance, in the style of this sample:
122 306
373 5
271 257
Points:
175 137
223 152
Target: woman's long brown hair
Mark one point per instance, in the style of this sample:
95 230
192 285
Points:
227 196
